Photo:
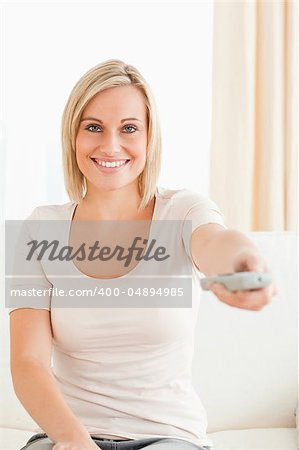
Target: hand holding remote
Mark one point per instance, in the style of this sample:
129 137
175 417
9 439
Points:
250 272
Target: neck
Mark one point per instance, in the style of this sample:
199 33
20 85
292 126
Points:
114 204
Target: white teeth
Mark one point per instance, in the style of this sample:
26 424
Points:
111 164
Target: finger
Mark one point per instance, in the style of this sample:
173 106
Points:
250 262
65 446
253 300
253 294
223 294
219 289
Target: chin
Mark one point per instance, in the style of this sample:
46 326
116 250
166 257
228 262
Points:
113 186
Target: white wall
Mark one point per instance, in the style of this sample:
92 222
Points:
47 48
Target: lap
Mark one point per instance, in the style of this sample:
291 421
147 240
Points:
150 444
44 443
167 444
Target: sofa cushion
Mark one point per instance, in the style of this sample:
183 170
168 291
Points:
255 439
12 413
13 439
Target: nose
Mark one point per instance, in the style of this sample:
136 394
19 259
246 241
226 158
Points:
110 143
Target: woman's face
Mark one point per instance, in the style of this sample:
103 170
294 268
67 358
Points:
113 130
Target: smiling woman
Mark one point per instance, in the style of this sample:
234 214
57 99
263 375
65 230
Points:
125 373
115 120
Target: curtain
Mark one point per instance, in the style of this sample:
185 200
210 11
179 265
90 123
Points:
254 145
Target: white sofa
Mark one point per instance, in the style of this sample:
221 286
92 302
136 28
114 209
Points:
245 365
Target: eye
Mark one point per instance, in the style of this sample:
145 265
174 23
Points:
93 128
130 128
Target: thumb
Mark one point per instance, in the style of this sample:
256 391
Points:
249 261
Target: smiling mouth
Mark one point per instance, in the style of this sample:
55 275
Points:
111 164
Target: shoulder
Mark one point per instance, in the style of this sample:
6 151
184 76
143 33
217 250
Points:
186 199
52 212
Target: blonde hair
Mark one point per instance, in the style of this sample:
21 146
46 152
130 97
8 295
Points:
103 76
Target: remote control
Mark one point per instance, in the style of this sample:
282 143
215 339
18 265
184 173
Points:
238 281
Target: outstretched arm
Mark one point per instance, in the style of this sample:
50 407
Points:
216 250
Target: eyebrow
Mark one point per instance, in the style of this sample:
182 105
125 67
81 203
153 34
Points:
100 121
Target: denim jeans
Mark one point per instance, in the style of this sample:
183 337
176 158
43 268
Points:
40 441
